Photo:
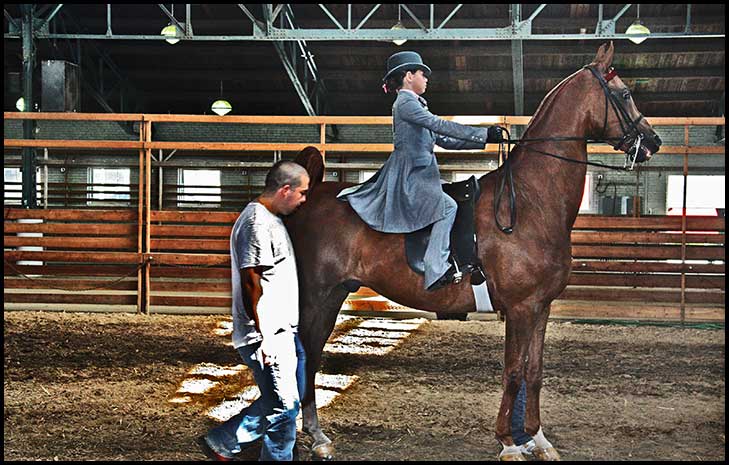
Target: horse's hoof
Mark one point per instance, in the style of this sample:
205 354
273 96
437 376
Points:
548 454
324 452
511 454
512 457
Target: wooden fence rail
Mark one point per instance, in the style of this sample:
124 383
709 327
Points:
90 254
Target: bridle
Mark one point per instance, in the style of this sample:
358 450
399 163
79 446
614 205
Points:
628 125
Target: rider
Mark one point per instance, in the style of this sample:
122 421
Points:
405 195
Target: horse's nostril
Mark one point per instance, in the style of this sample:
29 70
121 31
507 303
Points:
657 140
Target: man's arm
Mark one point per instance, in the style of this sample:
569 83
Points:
252 292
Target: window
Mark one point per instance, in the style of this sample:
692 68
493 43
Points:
109 186
704 195
201 188
365 175
13 185
457 177
586 204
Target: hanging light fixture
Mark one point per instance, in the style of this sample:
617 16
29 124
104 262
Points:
170 31
221 107
398 26
20 104
638 32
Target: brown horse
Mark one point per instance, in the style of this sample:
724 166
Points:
527 269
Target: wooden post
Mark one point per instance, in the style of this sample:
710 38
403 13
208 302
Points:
323 141
148 214
140 223
683 225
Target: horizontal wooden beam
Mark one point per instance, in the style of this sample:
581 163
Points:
614 294
634 237
70 284
75 242
255 119
642 252
87 298
295 147
671 223
591 309
76 257
633 266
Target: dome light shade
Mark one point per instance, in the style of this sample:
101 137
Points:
638 31
20 104
170 31
396 27
221 107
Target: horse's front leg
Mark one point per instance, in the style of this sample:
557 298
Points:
322 447
520 322
543 449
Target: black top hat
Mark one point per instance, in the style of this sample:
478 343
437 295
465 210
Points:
404 61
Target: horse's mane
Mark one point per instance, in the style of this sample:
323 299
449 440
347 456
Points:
548 99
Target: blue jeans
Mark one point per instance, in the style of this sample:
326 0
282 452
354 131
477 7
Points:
518 417
273 415
439 244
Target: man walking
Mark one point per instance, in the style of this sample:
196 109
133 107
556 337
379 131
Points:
265 319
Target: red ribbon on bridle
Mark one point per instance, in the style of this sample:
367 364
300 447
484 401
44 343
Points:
610 74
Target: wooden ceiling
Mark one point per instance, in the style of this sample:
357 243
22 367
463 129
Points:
669 77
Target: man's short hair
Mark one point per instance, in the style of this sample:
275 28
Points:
282 173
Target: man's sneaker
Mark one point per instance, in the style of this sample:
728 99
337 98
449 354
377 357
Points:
211 453
528 447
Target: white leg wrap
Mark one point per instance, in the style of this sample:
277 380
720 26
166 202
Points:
509 450
540 440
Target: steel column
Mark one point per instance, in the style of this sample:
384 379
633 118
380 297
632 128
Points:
29 178
517 63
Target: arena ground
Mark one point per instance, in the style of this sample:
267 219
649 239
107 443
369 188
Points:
80 386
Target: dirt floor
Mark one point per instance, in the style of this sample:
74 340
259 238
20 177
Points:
81 386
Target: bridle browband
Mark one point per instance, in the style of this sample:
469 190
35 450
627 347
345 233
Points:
628 125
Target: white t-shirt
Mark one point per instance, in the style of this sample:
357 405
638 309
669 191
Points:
259 238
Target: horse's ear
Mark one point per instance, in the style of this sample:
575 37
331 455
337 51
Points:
604 57
311 159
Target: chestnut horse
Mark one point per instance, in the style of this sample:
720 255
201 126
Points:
527 269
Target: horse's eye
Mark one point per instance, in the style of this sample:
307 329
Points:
626 94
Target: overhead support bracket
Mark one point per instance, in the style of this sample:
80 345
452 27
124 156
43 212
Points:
607 27
298 61
43 25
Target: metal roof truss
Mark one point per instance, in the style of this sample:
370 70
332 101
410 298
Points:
265 29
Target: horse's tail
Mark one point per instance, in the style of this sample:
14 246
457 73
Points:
311 159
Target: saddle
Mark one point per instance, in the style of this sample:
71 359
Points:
464 250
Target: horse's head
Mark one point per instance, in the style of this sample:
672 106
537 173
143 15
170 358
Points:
624 127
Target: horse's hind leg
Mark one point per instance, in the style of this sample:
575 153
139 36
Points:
543 449
318 315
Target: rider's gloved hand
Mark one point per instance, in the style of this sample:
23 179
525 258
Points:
495 135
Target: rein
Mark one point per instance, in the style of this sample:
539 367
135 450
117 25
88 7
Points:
627 124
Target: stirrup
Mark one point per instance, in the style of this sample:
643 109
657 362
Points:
458 275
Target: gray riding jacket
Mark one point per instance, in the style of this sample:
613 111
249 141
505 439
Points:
405 194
